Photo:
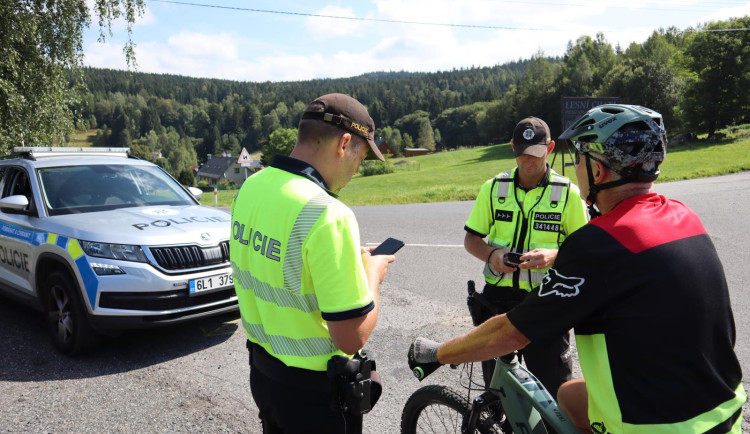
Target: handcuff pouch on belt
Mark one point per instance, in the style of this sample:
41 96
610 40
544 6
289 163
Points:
355 383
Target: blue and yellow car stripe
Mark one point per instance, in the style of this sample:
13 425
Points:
70 245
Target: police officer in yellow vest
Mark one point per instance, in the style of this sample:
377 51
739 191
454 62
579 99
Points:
307 289
528 211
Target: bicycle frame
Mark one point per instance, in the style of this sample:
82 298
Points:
524 399
528 406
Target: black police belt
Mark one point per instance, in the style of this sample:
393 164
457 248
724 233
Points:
354 384
277 371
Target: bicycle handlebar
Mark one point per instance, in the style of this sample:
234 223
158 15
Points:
421 370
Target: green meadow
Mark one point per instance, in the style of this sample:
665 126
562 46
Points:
457 175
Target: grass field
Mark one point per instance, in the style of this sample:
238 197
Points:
82 139
457 175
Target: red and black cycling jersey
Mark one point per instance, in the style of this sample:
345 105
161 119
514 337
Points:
645 291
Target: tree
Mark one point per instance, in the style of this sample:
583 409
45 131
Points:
648 75
418 126
717 93
140 151
459 126
392 136
537 95
408 142
500 119
587 63
426 138
119 135
187 177
281 142
40 65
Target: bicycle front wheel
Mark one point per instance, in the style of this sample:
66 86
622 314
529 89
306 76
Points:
433 409
439 409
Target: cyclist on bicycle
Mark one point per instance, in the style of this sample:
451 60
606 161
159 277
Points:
644 289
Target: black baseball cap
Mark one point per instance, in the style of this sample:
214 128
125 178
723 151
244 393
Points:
531 137
348 114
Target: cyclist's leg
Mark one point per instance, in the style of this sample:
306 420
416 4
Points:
573 400
550 362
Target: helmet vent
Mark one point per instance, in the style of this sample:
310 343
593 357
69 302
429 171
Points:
635 126
612 110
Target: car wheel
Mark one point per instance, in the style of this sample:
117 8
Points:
66 318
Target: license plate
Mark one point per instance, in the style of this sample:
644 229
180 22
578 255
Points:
219 281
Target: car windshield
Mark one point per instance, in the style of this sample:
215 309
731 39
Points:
80 189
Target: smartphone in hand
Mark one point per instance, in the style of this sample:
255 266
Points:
388 247
512 259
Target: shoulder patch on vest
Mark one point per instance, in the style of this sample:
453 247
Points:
503 216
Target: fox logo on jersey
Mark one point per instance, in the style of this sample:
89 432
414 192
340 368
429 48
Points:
555 283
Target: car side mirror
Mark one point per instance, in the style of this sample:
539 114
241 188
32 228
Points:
14 204
196 192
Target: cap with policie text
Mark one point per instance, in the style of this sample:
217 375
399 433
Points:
531 137
348 114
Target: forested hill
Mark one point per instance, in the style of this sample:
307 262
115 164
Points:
698 80
388 95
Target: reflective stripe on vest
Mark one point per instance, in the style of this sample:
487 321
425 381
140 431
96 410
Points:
306 219
557 186
284 345
244 280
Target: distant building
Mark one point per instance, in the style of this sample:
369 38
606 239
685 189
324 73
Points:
413 152
384 148
226 167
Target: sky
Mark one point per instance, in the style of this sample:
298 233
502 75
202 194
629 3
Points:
283 40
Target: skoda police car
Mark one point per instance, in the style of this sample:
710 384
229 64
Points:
100 241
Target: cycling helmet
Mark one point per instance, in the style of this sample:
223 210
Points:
629 139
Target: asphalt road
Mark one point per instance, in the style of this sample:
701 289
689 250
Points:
193 378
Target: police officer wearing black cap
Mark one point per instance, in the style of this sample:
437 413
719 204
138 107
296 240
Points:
307 290
518 221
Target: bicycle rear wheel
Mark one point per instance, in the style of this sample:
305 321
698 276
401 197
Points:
439 409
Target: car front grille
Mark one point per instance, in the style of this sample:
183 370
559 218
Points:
190 257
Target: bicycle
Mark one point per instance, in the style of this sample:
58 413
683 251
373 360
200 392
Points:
515 402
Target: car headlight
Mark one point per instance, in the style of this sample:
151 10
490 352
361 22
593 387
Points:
123 252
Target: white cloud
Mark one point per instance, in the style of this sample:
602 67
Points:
320 28
519 30
204 45
727 12
104 55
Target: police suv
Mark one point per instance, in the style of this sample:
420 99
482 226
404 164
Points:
101 242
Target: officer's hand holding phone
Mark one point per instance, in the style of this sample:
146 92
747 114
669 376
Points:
379 258
512 259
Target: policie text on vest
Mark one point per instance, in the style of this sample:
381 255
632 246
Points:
268 247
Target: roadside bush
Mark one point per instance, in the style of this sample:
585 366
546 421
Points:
186 177
375 167
226 184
